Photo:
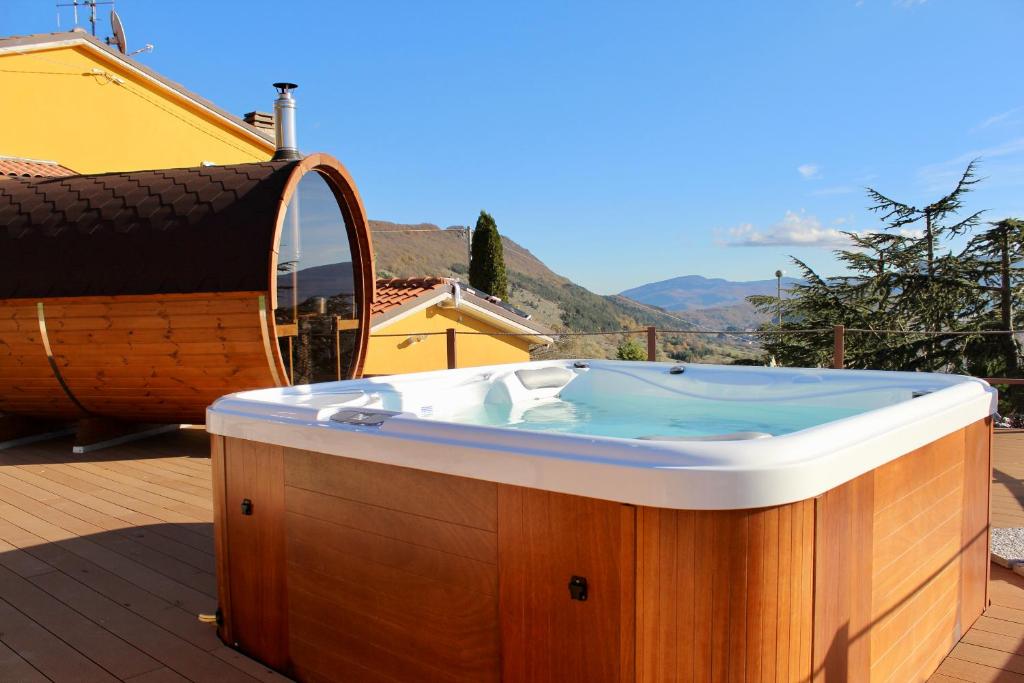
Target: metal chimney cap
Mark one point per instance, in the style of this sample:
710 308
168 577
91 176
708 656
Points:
285 87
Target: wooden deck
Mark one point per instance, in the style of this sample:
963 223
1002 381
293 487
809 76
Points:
106 559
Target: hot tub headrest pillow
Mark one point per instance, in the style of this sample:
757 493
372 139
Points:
545 378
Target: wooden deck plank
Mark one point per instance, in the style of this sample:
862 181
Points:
992 651
46 652
104 648
15 668
105 561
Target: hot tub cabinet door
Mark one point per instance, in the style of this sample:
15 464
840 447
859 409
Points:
566 579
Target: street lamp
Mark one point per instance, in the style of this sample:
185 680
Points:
778 290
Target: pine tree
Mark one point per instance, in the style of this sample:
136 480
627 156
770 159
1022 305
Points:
996 253
487 267
904 278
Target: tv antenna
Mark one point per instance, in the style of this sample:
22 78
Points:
91 4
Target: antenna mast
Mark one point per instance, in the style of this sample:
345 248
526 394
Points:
91 4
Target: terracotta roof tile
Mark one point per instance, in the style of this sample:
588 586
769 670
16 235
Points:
394 292
13 167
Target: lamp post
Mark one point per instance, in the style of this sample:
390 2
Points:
778 290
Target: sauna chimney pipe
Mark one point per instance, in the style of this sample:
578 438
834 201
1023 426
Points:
284 123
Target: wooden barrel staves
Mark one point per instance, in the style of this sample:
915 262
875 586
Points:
144 296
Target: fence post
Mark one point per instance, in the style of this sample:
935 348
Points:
450 337
838 346
337 347
652 343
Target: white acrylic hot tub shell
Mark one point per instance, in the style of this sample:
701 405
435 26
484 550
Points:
681 475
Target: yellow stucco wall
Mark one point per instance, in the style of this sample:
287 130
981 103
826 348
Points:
57 109
393 355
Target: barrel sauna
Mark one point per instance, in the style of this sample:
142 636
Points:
144 296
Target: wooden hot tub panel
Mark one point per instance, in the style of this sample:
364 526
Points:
339 569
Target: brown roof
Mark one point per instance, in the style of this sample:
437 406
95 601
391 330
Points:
92 41
394 292
32 168
203 229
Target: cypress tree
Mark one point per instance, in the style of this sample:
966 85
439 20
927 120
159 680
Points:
487 269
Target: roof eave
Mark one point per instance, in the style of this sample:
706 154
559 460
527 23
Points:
25 44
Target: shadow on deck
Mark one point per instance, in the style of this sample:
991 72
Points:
106 560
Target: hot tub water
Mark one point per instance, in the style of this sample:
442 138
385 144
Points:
633 417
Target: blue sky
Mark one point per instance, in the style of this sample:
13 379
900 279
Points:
622 142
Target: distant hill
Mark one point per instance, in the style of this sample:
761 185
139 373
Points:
691 292
328 280
552 299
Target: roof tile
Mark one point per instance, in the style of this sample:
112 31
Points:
394 292
15 167
143 232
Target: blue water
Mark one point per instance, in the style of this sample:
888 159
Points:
633 417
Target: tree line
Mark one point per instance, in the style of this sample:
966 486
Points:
934 269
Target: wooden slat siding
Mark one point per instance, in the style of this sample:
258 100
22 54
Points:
157 358
897 539
842 582
392 572
256 550
915 605
218 467
627 593
975 535
458 500
698 623
463 541
544 539
27 383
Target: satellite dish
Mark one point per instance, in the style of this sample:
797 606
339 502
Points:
118 28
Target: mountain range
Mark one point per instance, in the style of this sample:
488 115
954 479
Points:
692 292
554 300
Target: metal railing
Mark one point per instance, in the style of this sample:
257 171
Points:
651 333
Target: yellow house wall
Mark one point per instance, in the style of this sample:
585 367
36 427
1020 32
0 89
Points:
56 109
392 355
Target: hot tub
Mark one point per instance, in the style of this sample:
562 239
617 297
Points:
604 521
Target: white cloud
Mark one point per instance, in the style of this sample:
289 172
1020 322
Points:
941 176
794 230
909 3
1002 117
809 171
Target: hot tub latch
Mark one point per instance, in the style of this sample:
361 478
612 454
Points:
246 507
578 588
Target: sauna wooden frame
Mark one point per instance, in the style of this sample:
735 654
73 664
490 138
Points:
165 357
354 570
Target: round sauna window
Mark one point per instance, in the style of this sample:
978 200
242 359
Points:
317 308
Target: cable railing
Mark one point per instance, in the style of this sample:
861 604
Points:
652 334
